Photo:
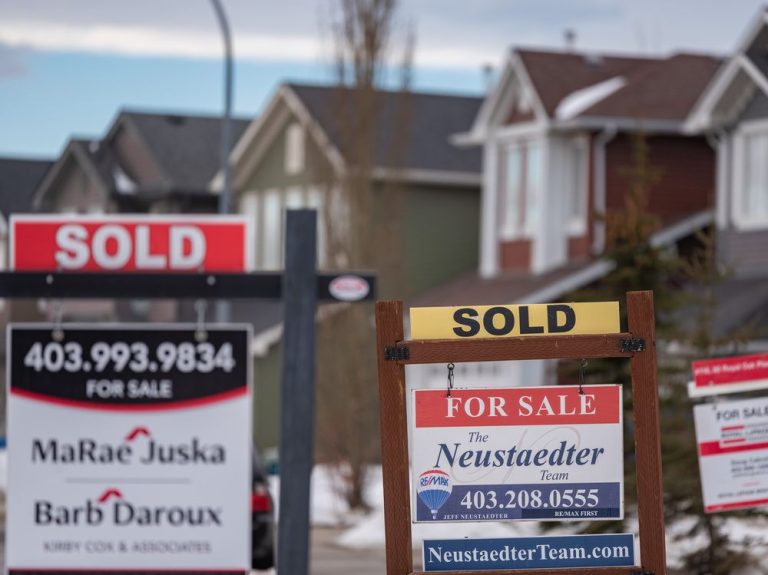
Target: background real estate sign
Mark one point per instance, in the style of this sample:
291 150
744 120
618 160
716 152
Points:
729 374
149 243
545 453
129 449
732 439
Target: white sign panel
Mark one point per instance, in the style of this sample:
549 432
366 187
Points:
543 453
128 449
732 439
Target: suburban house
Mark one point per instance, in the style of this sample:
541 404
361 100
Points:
293 153
146 163
292 156
557 137
733 114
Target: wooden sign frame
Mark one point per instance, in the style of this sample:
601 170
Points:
638 345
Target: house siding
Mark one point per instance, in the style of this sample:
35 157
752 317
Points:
515 255
686 183
756 109
75 192
441 236
745 252
266 398
270 172
579 248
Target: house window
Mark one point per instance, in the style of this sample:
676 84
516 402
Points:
576 186
249 207
272 236
753 208
522 182
294 149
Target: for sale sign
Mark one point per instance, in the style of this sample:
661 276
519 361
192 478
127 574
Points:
732 438
129 449
545 453
131 243
729 374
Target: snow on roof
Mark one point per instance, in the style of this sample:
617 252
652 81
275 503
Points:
576 102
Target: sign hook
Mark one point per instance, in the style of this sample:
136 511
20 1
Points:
57 308
582 366
450 378
201 307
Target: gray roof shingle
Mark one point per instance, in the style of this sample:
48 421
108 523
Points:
430 120
18 180
186 148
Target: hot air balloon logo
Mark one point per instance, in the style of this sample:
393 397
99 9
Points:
434 489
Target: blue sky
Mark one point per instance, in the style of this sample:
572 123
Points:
68 66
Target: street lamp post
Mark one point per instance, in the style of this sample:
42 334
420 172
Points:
225 196
225 199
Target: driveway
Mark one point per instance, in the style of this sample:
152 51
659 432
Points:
327 558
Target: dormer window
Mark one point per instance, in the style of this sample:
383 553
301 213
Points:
294 149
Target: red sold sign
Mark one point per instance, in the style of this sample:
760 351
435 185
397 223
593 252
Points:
130 243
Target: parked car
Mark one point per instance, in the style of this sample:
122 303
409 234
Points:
262 519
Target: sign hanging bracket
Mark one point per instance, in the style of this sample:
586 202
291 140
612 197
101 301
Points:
397 353
632 345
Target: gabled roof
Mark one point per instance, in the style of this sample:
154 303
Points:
186 148
663 90
432 119
735 83
555 75
601 89
425 153
18 180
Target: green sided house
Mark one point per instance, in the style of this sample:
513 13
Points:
291 155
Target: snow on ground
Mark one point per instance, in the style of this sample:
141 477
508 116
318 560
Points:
367 531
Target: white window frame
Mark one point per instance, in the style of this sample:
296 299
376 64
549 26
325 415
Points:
272 243
741 220
527 230
250 206
577 226
295 148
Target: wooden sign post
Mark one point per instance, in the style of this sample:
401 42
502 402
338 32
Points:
638 345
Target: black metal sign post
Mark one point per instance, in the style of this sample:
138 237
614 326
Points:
301 287
297 393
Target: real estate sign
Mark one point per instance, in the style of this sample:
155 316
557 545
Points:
732 439
606 550
729 374
514 320
134 243
129 449
543 453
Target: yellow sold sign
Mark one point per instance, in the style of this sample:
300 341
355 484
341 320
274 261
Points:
514 320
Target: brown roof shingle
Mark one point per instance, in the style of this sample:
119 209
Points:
657 88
